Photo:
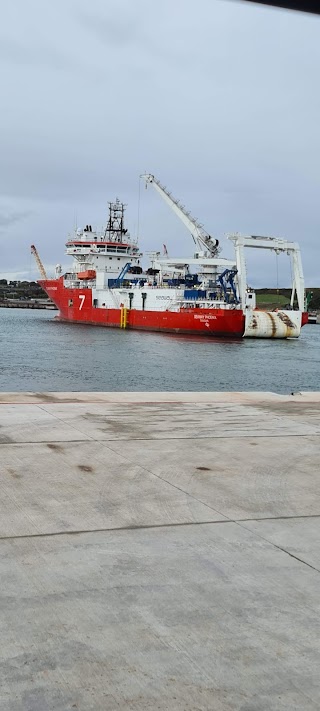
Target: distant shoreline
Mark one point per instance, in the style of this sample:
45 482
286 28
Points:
27 304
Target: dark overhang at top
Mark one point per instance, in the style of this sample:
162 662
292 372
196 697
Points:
300 5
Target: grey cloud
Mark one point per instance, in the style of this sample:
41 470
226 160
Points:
116 30
37 55
120 27
8 218
218 99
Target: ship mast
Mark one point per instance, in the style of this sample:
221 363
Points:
115 230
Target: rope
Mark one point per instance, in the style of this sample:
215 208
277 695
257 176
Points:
138 217
291 283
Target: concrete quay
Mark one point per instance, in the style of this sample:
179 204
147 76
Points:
159 551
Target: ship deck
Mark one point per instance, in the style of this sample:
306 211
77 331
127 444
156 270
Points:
159 551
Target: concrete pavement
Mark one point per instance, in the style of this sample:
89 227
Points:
159 551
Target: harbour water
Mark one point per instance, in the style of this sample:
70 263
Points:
39 354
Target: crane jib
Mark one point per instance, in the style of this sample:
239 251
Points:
200 237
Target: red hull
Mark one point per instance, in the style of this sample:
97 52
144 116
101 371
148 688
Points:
76 306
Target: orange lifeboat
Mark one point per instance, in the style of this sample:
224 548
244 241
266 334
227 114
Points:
89 274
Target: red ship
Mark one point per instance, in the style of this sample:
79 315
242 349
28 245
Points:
203 295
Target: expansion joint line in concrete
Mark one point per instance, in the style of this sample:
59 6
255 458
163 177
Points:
174 486
294 556
111 529
89 438
63 423
120 529
47 441
226 519
279 548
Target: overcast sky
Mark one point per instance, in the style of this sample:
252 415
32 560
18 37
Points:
219 99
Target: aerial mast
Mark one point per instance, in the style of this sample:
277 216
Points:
115 230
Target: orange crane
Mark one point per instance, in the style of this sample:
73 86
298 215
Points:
41 268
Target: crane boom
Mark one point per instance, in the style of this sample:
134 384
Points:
41 268
200 237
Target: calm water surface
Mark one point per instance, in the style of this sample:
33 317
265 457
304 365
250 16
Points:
40 354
